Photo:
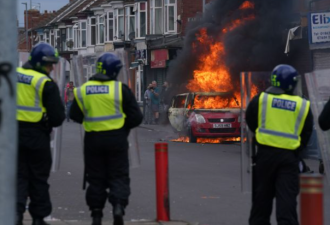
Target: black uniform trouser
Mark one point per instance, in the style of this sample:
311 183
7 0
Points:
276 175
34 164
107 167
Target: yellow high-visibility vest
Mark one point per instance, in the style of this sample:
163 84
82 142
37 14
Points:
281 119
30 86
101 104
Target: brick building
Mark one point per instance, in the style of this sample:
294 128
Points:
32 19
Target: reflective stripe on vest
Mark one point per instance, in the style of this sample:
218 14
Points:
30 86
289 122
101 122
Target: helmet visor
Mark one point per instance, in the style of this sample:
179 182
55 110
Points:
50 59
298 88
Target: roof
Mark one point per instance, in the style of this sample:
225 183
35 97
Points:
81 6
69 10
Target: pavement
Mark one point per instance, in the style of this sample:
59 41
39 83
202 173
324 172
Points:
165 133
52 221
205 183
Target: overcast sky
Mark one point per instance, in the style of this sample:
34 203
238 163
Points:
48 5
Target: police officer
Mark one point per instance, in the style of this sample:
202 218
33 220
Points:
108 110
324 118
39 109
282 123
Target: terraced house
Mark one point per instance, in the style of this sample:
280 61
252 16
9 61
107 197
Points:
145 34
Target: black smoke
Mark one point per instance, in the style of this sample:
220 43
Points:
257 45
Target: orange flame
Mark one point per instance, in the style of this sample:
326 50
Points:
181 139
214 102
247 5
212 75
208 140
217 140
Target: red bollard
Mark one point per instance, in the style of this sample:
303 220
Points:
162 190
311 199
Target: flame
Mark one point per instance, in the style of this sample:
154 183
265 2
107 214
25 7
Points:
212 75
181 139
214 102
208 140
247 5
217 140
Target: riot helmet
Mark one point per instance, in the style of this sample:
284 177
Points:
284 79
109 64
42 55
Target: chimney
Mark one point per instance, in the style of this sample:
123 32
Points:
46 11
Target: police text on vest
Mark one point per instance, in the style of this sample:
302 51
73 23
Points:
97 89
284 104
25 79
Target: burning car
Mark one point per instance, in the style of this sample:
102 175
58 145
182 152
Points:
206 115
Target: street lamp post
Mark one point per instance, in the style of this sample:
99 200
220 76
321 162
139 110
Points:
26 26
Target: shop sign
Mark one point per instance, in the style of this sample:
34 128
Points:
319 27
159 58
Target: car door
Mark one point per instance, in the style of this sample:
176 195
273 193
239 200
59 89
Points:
176 112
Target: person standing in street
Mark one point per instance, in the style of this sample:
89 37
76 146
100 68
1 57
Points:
147 105
69 99
165 100
108 111
39 109
282 123
155 102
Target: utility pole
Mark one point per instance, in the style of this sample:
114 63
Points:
26 26
8 126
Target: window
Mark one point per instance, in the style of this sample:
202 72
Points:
120 24
93 31
170 16
63 40
83 34
57 38
76 38
130 22
69 38
52 38
46 36
179 101
110 26
156 17
142 19
100 30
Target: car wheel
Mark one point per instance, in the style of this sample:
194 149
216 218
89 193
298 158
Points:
192 138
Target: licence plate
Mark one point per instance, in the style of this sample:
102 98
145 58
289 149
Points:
222 125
